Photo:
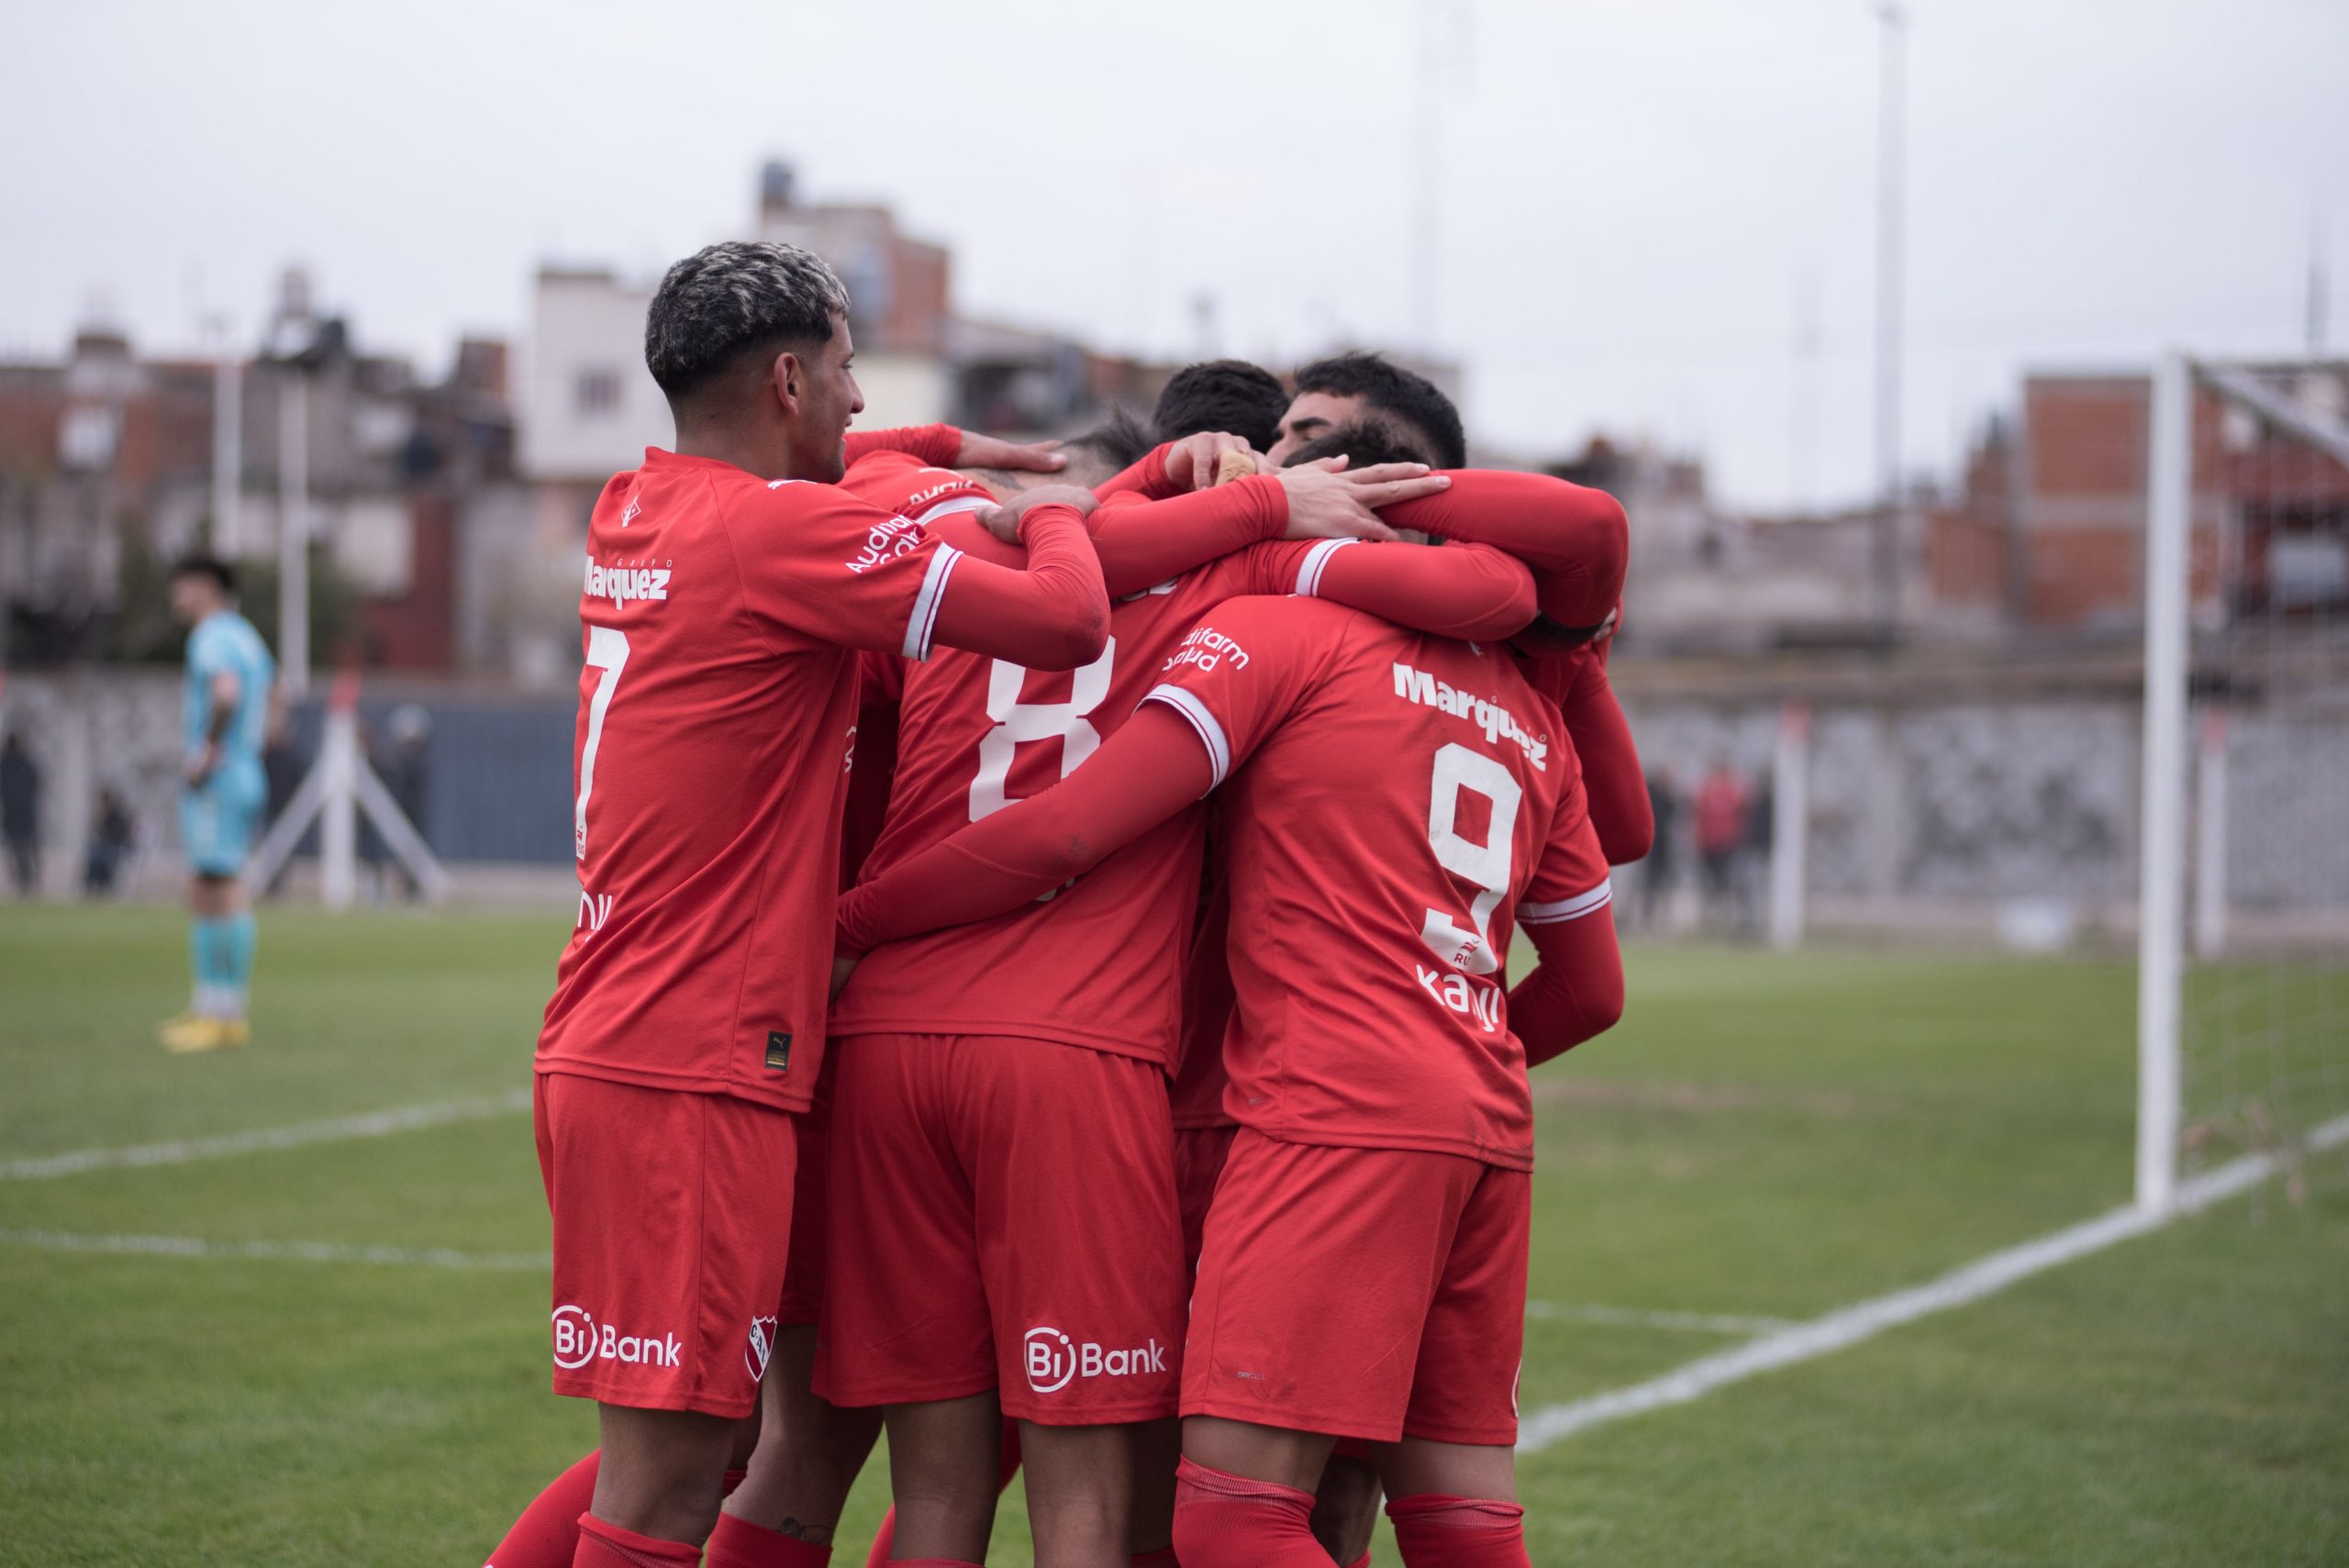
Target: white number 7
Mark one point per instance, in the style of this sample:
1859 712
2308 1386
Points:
1486 864
607 651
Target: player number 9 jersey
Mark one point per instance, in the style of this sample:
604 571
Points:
1398 804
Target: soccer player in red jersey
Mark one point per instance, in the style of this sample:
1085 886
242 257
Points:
727 586
1407 803
1041 1274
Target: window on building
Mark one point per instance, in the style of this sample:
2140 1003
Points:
597 391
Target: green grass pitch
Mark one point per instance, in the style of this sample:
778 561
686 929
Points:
1764 1136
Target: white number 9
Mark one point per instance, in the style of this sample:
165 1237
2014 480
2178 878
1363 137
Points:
1486 864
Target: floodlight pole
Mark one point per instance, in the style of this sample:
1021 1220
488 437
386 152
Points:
1425 218
1891 199
294 527
228 443
2161 862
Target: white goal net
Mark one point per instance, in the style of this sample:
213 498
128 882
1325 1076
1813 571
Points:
2244 897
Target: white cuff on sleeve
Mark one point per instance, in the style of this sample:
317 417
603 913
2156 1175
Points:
1210 732
924 619
1565 909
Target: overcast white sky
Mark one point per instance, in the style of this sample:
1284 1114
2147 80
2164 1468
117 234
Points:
1634 192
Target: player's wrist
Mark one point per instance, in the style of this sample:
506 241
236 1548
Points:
1053 513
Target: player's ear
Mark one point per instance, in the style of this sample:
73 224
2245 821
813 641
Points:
786 377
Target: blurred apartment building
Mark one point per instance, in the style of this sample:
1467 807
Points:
1706 578
106 473
590 408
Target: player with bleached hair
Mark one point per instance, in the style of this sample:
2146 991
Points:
728 584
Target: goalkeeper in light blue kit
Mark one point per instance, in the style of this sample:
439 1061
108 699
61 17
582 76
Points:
228 711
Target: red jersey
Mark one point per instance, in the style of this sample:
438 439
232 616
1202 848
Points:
1398 804
1577 682
1099 964
716 712
1197 1093
902 483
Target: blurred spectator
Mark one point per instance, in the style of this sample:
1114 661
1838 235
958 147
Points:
114 836
1723 816
20 813
1761 836
1655 872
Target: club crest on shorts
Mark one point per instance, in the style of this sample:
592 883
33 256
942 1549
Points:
761 1345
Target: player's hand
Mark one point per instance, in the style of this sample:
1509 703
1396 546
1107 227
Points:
1031 457
1005 521
200 765
1325 501
842 969
1191 462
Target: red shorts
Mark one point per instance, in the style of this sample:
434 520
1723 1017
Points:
1003 1212
1199 1153
803 1281
671 1224
1365 1292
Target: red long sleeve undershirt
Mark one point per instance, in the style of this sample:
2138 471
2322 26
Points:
1053 616
1575 992
1147 478
1151 769
1143 543
1471 591
937 445
1611 776
1575 538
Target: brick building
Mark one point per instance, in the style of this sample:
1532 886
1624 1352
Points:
2047 529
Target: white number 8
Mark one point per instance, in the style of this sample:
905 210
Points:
1486 864
1015 721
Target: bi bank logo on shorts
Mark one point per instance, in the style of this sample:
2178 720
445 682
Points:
578 1341
1055 1361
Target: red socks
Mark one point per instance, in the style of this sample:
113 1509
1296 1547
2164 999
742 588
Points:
1361 1561
1436 1531
1230 1521
739 1543
547 1535
605 1545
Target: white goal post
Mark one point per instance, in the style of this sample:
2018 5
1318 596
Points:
2246 565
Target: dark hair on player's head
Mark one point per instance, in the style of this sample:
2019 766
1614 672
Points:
1115 445
728 301
1228 395
1400 394
199 564
1363 442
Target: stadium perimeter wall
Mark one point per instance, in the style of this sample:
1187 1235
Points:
1938 798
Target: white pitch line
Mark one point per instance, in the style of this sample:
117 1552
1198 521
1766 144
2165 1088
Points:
1643 1317
1864 1319
284 1251
372 1124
